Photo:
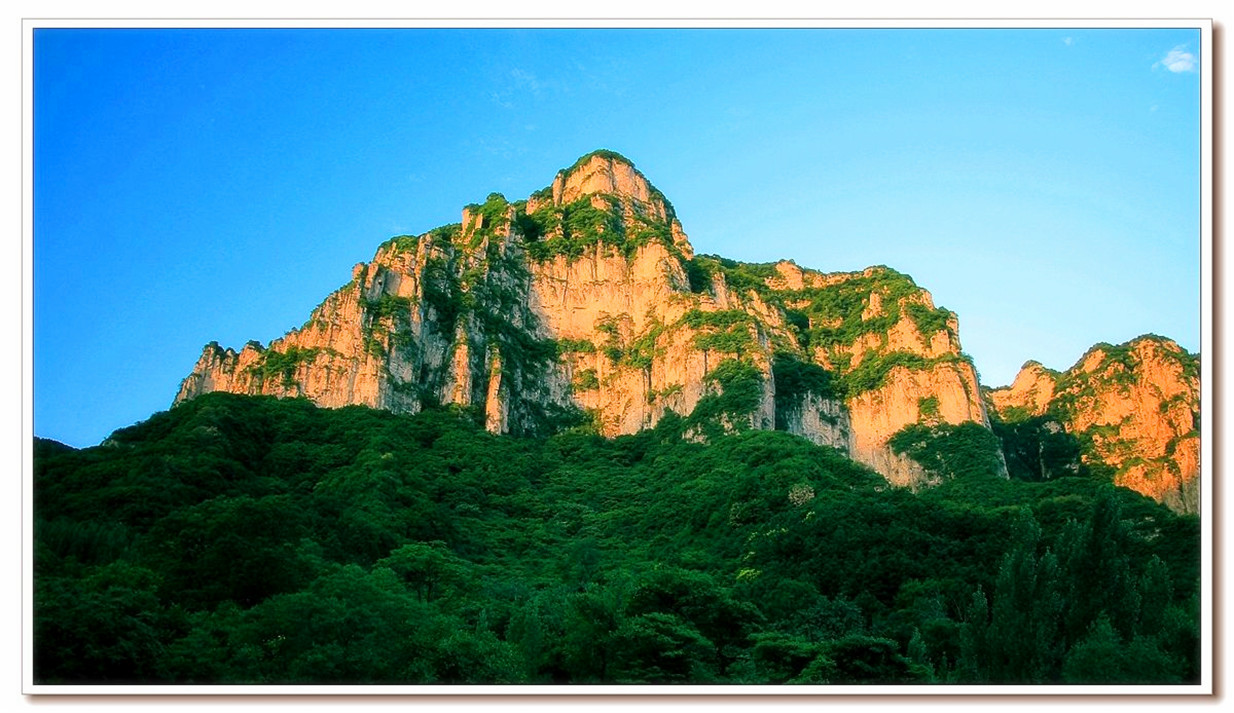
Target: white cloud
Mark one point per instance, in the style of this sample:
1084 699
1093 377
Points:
1179 60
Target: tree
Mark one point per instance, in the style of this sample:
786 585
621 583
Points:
428 568
105 627
974 645
1095 658
1103 657
1023 639
240 548
698 599
1156 592
1097 571
661 648
779 658
868 659
592 619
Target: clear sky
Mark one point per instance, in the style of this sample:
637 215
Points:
198 185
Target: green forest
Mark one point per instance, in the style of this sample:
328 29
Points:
251 540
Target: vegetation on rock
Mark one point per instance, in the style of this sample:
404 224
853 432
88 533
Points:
738 387
873 370
794 379
576 228
282 364
950 450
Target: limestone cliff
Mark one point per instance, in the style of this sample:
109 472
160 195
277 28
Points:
1134 408
586 302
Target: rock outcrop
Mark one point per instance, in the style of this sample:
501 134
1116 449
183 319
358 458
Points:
1134 408
586 302
1030 392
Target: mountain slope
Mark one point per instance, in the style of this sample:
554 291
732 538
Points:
255 540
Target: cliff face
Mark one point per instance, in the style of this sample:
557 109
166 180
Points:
587 301
1031 391
1134 408
441 318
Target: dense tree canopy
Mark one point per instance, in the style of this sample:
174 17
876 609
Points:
249 540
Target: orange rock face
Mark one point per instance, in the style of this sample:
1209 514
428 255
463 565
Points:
1031 391
1138 404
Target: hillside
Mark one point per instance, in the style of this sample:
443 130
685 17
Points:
254 540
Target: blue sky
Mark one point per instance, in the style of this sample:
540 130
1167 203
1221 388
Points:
198 185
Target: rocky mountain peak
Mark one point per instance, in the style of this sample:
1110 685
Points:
609 173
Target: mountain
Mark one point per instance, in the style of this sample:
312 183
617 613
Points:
671 528
586 303
1134 409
